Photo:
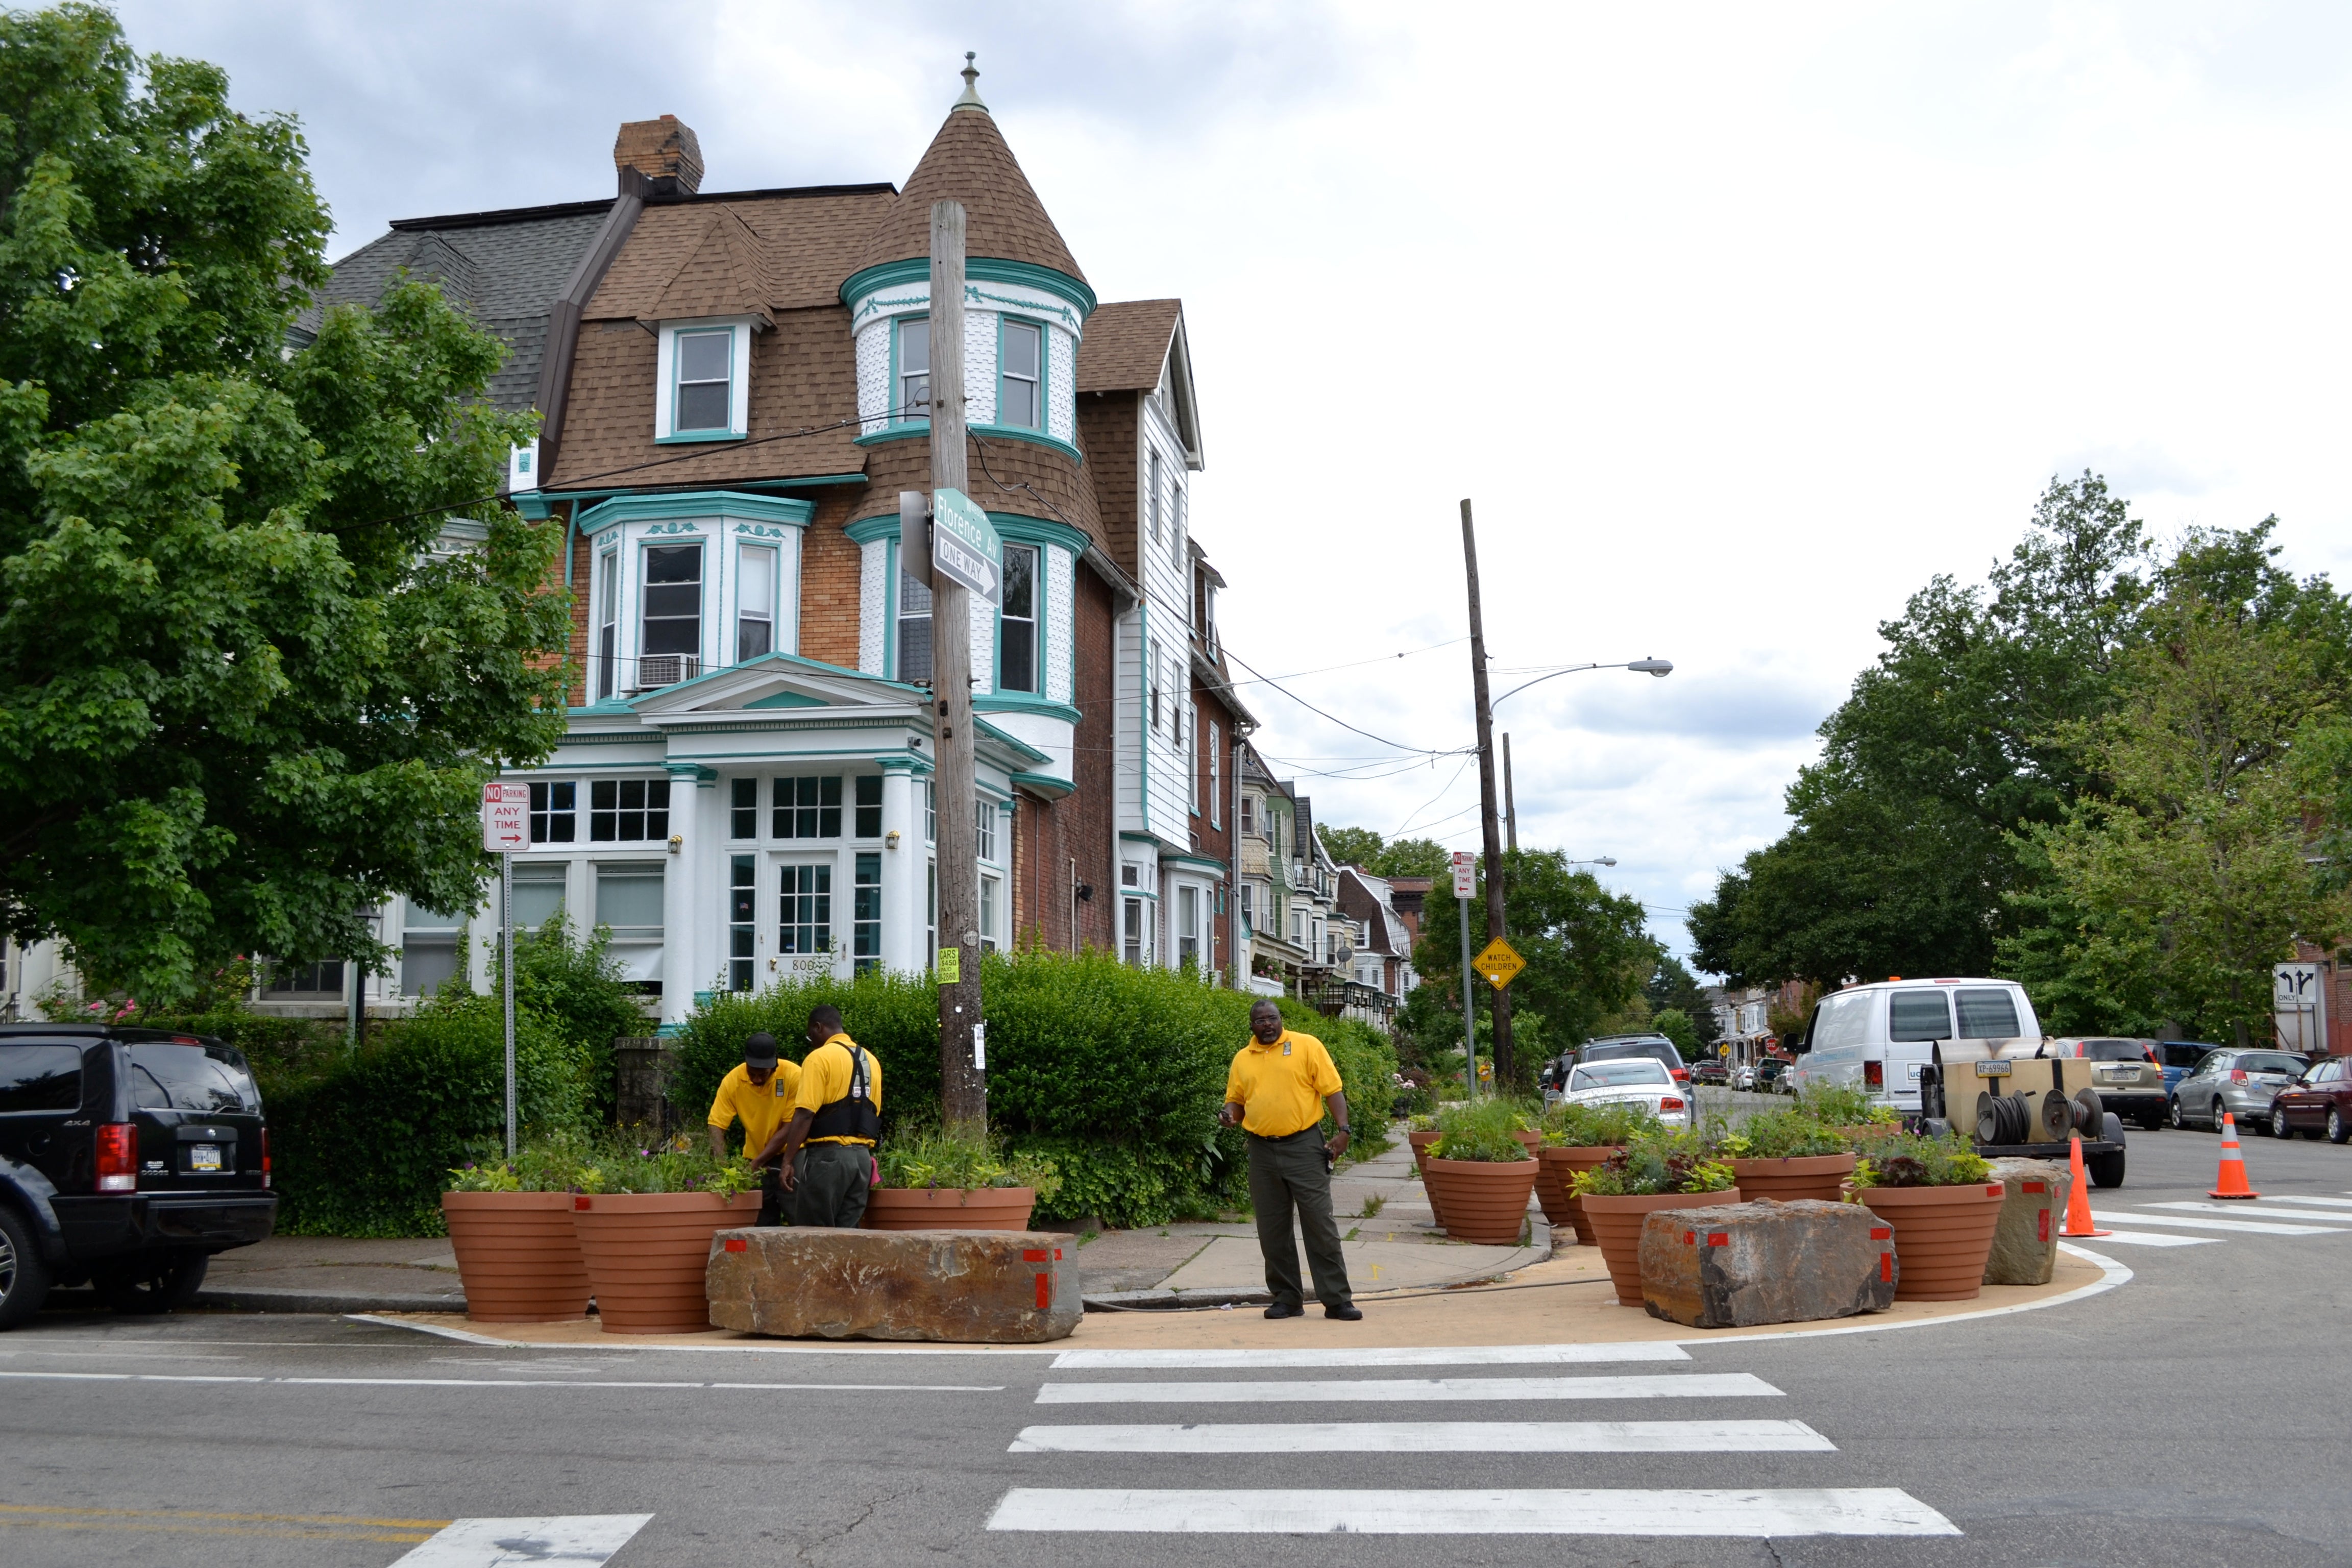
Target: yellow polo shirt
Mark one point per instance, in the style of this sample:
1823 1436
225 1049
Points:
1280 1087
825 1078
762 1108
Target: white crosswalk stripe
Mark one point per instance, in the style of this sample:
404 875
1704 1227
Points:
2152 1238
2242 1227
578 1540
2259 1210
1750 1512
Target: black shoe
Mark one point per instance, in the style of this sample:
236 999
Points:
1279 1310
1345 1314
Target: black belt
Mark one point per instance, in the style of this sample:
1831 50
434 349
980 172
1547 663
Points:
1286 1137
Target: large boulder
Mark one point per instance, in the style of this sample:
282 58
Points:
965 1287
1736 1265
2025 1244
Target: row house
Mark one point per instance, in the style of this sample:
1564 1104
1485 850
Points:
1382 971
733 388
1289 886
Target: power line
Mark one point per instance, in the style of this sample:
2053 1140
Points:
1357 664
1366 735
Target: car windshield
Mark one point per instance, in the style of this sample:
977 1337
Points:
210 1080
2114 1051
1610 1074
2269 1061
1622 1050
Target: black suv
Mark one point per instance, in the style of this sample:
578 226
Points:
127 1157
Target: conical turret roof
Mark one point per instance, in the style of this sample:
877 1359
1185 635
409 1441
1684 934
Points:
968 162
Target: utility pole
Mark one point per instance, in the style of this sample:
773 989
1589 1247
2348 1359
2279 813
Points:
1501 1005
1511 812
963 1086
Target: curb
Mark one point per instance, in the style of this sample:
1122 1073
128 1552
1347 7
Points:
1172 1301
234 1301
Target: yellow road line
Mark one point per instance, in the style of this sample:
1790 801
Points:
326 1519
168 1527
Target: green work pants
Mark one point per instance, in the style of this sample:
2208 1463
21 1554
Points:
829 1185
1286 1173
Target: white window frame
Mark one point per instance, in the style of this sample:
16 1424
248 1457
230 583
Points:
1216 774
739 380
608 629
744 609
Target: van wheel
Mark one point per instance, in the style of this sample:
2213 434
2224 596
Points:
154 1284
23 1276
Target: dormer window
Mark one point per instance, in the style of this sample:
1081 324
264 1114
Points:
704 368
914 348
1021 356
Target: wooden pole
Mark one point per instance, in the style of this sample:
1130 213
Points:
1500 1007
963 1087
1510 811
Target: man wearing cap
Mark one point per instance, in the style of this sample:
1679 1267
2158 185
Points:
1277 1092
828 1146
760 1094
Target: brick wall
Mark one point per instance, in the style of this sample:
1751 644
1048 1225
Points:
829 568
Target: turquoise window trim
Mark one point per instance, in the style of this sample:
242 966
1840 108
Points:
894 416
1034 437
905 431
738 381
865 530
729 505
1037 630
1046 785
976 269
1044 360
700 438
890 605
1025 530
535 505
1025 702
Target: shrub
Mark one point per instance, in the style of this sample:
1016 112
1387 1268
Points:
1846 1105
362 1146
1907 1160
1483 1129
575 982
932 1157
1568 1126
1656 1163
1784 1134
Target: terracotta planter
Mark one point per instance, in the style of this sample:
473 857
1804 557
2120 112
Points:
949 1208
1485 1200
1786 1180
517 1255
646 1252
1530 1141
1617 1224
1942 1237
1562 1165
1420 1143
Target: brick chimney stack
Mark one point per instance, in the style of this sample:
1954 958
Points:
664 151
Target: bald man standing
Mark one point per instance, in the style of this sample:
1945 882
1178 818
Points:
1280 1084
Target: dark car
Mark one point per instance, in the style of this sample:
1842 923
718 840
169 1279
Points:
127 1157
1614 1046
1769 1071
2319 1105
2180 1058
1711 1069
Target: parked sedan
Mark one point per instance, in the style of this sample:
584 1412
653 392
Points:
2242 1082
2127 1074
2321 1103
1633 1080
1744 1077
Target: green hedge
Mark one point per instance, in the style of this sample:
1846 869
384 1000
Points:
1116 1072
361 1145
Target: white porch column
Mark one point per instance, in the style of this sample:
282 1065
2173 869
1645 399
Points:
693 881
905 859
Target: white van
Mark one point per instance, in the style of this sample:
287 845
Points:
1877 1037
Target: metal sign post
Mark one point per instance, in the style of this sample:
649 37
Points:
1465 883
505 828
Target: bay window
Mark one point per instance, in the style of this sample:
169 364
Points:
1016 637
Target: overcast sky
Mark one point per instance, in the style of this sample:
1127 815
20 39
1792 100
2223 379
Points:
1737 322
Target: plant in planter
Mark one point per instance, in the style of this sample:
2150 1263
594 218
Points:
1421 1134
1789 1154
1849 1109
645 1217
1940 1197
1481 1171
1577 1138
936 1180
1654 1171
510 1224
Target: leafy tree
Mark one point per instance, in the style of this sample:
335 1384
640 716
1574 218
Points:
1677 1026
1673 987
239 701
1405 858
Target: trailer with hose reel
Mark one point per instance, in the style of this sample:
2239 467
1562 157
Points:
2015 1105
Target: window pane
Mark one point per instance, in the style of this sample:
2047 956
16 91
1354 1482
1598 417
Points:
427 964
703 408
743 811
869 806
39 1078
537 897
703 356
629 899
866 936
1021 350
1988 1015
914 371
914 630
805 909
1919 1016
1017 403
673 563
741 893
1019 580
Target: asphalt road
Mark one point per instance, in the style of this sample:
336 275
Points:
2193 1415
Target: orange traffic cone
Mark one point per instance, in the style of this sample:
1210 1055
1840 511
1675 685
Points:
2078 1196
2232 1178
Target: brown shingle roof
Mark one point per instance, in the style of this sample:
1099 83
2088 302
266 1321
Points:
968 162
1126 344
807 245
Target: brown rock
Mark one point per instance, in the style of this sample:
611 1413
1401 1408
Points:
965 1287
1735 1265
2025 1243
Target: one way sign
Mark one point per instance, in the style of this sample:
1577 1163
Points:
965 546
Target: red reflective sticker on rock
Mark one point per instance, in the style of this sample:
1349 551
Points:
1718 1239
1881 1233
2045 1227
737 1244
2036 1187
1690 1238
1887 1265
1034 1255
1058 1255
1044 1291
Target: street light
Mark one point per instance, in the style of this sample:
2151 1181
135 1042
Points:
1660 668
1603 860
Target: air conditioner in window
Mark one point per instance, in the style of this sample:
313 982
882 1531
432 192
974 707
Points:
659 669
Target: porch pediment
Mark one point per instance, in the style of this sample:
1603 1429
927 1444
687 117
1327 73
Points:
779 680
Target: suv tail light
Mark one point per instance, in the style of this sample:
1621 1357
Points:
1681 1075
118 1158
1874 1074
264 1156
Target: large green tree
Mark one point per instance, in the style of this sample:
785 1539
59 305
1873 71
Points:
1404 858
240 699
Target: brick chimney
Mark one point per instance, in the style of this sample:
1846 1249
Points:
664 151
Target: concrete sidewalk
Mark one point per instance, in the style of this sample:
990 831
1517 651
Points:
1391 1241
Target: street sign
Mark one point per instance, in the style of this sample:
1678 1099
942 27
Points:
1500 963
964 545
505 818
1465 874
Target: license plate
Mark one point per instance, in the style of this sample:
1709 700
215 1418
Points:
204 1157
1995 1068
2120 1075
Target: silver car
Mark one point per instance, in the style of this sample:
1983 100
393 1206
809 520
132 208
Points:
1635 1080
2242 1082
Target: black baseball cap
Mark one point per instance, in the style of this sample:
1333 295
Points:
760 1049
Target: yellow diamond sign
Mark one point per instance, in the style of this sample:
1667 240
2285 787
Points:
1500 963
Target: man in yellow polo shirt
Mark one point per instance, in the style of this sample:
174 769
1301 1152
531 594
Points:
828 1146
760 1095
1277 1092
